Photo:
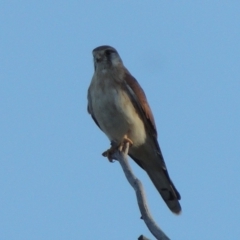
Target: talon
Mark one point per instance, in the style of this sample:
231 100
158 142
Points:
108 153
114 147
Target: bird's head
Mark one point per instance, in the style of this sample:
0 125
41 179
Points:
105 57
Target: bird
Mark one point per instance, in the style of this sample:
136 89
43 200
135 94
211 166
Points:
119 107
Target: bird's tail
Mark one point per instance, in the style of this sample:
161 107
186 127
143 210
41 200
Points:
165 187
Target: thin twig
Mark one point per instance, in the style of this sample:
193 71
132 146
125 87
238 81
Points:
121 156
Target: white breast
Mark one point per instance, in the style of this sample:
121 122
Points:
116 115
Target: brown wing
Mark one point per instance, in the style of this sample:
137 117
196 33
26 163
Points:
137 94
158 174
140 102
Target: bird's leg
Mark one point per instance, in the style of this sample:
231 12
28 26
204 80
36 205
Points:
124 143
127 140
114 147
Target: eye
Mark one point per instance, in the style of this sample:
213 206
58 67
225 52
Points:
108 52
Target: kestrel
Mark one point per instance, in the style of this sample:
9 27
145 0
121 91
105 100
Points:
119 107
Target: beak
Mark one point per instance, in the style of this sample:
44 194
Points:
98 57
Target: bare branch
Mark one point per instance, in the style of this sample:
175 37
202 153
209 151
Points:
143 238
121 156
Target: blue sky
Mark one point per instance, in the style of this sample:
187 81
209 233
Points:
54 182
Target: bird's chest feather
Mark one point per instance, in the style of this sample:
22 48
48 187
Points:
111 105
114 111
